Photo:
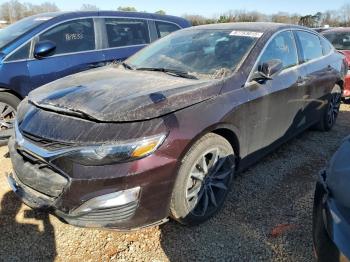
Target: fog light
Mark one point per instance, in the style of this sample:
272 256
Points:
116 199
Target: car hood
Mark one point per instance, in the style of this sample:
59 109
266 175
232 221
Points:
114 94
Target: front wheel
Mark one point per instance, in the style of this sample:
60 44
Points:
330 115
203 180
8 108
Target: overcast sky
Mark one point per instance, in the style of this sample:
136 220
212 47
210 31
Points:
205 7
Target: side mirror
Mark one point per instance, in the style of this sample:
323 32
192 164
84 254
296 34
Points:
268 69
44 49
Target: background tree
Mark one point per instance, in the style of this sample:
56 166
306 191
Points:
127 8
199 19
14 10
88 7
346 14
160 12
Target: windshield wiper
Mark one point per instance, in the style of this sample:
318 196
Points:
168 71
127 66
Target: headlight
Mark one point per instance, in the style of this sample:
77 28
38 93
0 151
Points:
111 153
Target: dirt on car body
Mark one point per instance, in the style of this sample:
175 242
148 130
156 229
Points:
273 196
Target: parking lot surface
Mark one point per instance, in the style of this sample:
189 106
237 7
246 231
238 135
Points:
267 216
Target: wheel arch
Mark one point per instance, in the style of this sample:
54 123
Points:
225 130
4 89
341 84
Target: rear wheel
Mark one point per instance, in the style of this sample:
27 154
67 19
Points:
8 108
203 181
330 115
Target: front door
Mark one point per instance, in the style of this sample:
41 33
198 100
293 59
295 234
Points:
276 104
75 51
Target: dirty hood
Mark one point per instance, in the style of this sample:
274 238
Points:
114 94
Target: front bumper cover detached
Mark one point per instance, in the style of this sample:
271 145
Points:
121 202
90 215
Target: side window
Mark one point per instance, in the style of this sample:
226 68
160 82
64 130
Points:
326 46
22 53
310 45
126 32
281 47
72 36
164 28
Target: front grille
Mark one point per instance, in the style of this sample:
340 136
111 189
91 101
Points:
35 173
110 215
46 143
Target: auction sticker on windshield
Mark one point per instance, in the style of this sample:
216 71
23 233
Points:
246 33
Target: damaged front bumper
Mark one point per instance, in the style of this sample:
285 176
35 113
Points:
101 211
124 200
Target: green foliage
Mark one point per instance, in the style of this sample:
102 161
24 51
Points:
160 12
88 7
127 8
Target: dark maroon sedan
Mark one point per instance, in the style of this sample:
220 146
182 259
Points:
164 133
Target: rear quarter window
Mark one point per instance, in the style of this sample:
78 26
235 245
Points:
164 28
310 46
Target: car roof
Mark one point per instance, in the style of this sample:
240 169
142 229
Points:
250 26
174 19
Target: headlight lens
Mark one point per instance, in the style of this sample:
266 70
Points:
111 153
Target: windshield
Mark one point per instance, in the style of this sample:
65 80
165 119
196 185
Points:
201 52
340 40
10 33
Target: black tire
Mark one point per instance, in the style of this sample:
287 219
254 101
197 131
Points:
324 247
331 111
221 165
9 99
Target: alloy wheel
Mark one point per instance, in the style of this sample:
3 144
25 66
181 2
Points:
333 108
7 116
208 182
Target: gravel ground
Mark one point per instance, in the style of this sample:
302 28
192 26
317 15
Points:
267 217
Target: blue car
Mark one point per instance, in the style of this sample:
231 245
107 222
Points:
331 214
42 48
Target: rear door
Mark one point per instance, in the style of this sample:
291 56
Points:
76 51
320 75
124 37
